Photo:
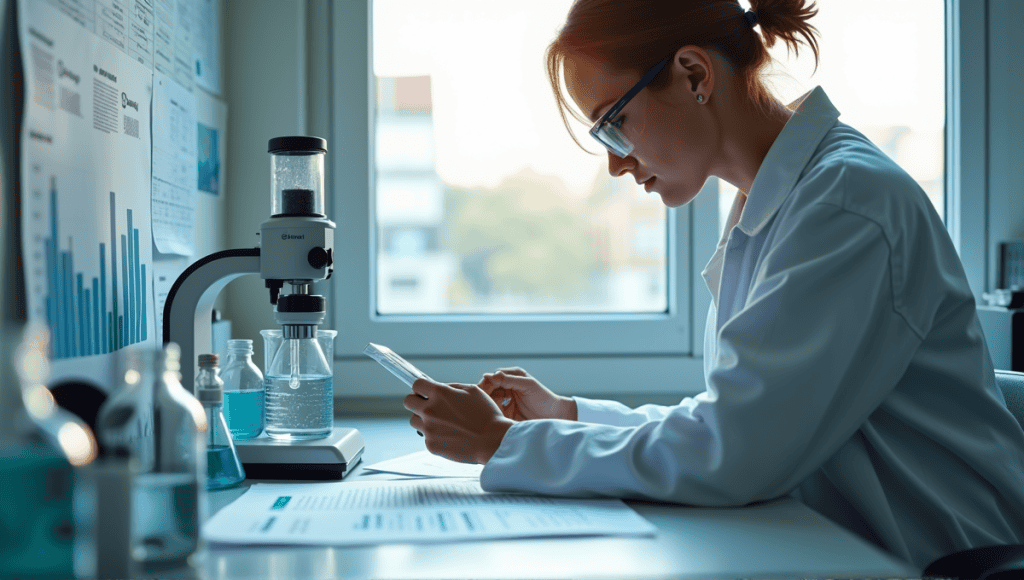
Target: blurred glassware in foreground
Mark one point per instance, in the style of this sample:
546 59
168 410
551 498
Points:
45 516
169 498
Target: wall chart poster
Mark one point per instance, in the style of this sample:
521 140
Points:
86 174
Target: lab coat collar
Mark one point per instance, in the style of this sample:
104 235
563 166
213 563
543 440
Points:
789 154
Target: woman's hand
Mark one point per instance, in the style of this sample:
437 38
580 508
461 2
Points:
526 397
458 422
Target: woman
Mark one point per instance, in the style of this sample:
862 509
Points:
844 361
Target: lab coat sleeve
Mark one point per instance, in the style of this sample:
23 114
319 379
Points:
799 369
615 413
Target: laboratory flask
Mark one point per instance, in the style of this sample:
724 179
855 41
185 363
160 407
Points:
223 468
169 500
243 391
300 385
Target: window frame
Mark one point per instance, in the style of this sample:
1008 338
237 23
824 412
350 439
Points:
574 353
967 140
596 355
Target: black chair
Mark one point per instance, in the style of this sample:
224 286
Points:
989 562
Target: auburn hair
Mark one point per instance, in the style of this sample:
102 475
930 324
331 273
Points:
637 34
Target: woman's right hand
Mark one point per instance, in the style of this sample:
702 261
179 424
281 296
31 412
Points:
521 397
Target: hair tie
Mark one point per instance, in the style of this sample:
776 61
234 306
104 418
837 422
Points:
751 17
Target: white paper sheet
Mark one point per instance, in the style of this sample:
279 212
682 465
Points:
175 169
353 513
426 464
126 24
207 45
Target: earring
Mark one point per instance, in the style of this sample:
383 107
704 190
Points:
700 98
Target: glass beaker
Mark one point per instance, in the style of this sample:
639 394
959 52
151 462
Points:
299 382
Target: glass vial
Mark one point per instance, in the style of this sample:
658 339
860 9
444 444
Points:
125 420
125 430
243 391
300 391
223 468
169 500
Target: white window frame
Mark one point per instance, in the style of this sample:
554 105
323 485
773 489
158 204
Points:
634 358
967 101
575 354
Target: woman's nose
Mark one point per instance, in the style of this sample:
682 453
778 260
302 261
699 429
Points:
618 166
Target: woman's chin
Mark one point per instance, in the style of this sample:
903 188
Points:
674 197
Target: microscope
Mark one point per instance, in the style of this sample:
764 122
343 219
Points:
296 249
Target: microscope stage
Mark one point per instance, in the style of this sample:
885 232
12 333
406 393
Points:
319 459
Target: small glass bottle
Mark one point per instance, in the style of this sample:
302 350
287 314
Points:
223 468
300 390
126 418
243 391
169 499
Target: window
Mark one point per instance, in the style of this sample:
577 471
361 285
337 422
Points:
470 150
901 108
426 270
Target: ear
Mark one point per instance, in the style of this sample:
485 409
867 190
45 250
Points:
693 64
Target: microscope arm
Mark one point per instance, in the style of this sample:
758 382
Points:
189 306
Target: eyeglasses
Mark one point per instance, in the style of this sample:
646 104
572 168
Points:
606 131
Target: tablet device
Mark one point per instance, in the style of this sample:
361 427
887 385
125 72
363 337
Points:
395 364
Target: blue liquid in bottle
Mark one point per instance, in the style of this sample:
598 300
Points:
243 411
243 391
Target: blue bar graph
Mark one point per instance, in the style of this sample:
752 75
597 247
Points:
82 322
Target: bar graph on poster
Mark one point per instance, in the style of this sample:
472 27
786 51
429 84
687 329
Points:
95 298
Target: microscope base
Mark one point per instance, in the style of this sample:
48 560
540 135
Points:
330 458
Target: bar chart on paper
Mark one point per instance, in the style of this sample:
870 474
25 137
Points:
92 284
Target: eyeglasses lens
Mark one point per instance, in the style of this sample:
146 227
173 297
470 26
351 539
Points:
612 138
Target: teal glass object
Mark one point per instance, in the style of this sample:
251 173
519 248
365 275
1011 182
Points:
243 411
243 391
223 468
36 514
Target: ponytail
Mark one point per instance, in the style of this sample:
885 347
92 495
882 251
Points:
787 20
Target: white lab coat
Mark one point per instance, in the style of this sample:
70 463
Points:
844 365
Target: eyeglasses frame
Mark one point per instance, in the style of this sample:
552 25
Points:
621 103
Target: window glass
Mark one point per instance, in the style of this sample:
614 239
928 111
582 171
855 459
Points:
892 91
483 203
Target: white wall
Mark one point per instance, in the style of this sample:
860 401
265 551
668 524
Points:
265 62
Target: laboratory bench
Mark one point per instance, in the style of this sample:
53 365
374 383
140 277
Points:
776 539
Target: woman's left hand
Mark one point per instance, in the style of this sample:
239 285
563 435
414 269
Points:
458 422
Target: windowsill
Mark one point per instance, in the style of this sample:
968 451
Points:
391 406
361 383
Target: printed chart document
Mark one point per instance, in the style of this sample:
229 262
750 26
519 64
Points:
352 513
426 464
